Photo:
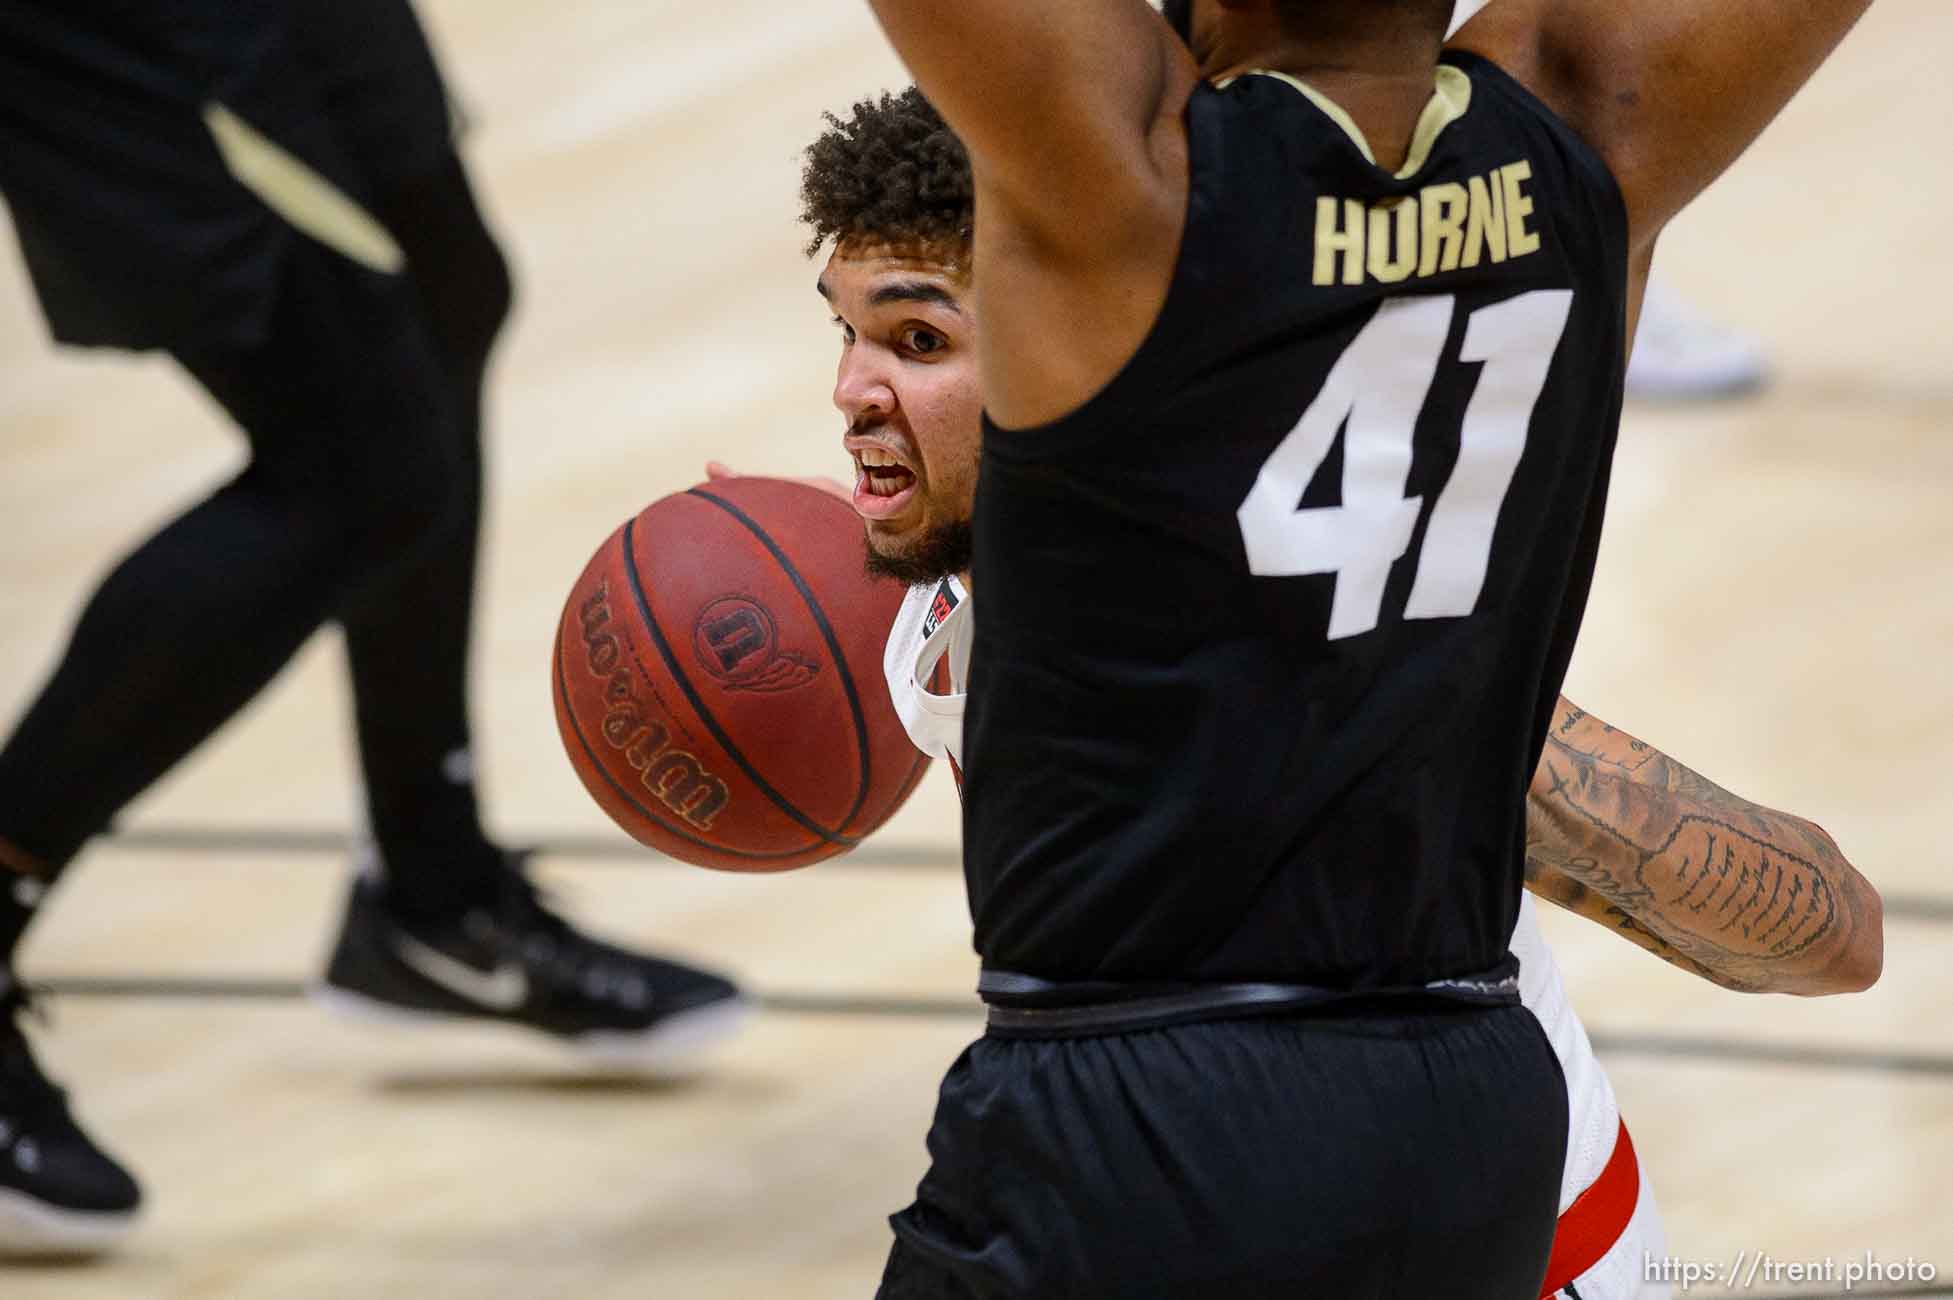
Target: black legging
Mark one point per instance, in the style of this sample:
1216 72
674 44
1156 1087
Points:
407 641
361 502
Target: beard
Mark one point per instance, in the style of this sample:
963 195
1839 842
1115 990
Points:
939 552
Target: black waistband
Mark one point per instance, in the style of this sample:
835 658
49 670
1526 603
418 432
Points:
1025 1005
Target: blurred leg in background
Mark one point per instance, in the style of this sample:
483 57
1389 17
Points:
292 223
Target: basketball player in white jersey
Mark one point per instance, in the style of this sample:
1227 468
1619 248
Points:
889 189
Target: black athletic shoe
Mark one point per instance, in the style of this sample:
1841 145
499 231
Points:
60 1194
516 962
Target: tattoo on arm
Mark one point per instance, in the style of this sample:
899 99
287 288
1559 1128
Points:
1564 891
1578 732
1721 886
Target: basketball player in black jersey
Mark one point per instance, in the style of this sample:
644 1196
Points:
1302 367
271 194
887 194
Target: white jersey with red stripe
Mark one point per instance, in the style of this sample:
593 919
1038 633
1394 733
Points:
1606 1201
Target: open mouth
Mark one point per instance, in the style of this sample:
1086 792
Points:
883 485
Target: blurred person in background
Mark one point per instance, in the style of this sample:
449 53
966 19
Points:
272 196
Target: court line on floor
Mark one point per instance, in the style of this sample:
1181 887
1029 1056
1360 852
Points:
1761 1053
1672 1046
261 988
608 850
611 850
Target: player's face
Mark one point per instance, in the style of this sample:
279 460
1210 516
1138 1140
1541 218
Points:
907 384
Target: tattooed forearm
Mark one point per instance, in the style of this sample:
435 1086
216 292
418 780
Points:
1742 894
1738 884
1724 881
1566 892
1578 732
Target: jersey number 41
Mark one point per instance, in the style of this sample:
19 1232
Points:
1374 393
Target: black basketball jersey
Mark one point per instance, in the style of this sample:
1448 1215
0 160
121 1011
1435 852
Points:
1271 628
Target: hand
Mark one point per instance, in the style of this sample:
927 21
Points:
833 487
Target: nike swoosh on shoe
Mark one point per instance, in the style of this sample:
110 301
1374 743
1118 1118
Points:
505 988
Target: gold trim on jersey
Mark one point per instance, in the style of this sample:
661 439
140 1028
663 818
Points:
1451 98
294 191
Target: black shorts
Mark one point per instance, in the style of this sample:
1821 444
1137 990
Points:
133 226
1347 1154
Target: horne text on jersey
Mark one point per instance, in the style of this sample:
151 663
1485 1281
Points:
1440 228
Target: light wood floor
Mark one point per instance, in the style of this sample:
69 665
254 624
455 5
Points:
1773 605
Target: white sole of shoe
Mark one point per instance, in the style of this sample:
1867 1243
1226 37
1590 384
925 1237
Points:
674 1045
35 1229
670 1047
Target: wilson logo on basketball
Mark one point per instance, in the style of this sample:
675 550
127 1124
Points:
675 778
736 642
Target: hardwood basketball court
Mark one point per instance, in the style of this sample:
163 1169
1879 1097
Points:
1773 606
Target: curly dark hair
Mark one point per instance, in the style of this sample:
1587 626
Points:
892 173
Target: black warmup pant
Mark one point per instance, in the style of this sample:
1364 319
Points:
359 393
1348 1155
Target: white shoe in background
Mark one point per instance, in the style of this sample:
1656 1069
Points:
1682 356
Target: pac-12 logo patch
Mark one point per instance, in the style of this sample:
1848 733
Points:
941 606
736 641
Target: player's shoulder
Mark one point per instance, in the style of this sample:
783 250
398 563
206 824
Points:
1510 38
1508 98
1258 120
1508 112
1548 69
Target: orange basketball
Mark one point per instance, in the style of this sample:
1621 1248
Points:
718 679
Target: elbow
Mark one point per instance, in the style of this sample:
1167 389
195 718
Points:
1863 960
1856 964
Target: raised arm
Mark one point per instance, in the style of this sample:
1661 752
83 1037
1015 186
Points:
1742 895
1071 112
1051 99
1669 92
